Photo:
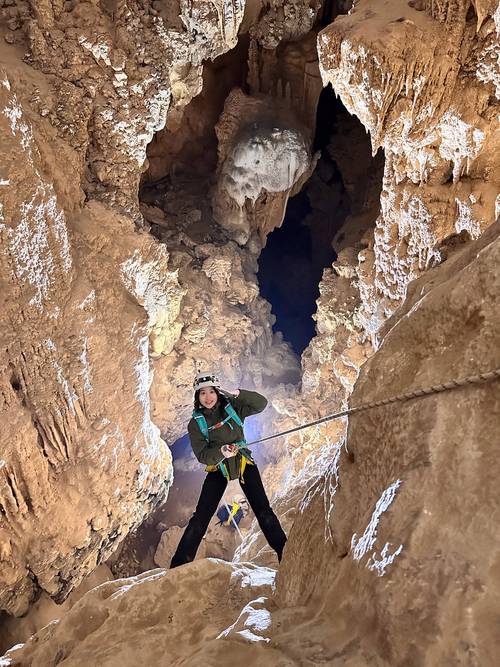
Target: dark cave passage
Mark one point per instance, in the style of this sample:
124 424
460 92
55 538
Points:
344 186
289 273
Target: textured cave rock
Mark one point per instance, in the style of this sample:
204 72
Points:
421 78
416 78
418 573
332 212
15 631
154 607
115 68
85 296
393 557
264 157
92 306
81 460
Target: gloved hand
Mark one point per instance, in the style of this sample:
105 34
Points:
228 451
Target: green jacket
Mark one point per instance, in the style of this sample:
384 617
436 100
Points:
245 404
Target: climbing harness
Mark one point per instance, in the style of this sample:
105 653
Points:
232 415
433 389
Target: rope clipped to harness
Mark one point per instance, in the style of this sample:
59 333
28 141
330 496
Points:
232 415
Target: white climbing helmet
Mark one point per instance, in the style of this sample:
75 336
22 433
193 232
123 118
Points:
206 380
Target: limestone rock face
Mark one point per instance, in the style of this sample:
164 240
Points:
416 78
284 21
218 542
168 544
408 520
415 74
92 306
81 460
265 138
227 328
86 298
264 157
15 631
115 70
88 301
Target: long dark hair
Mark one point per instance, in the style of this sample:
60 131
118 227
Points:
222 400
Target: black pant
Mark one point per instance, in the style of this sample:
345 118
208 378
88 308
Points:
211 493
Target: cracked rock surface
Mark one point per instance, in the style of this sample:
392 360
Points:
81 460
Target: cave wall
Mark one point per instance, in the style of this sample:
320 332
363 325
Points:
97 312
423 80
393 556
85 294
114 69
401 527
81 461
87 84
433 110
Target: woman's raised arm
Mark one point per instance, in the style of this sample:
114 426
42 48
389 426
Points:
248 403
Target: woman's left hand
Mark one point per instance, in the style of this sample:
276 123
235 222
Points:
228 451
233 393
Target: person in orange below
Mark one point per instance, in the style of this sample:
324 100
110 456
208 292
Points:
218 441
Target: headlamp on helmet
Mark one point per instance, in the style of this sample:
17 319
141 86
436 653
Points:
206 380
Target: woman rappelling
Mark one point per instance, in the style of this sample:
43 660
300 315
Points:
218 441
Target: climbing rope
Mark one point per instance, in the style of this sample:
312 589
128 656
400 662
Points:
434 389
